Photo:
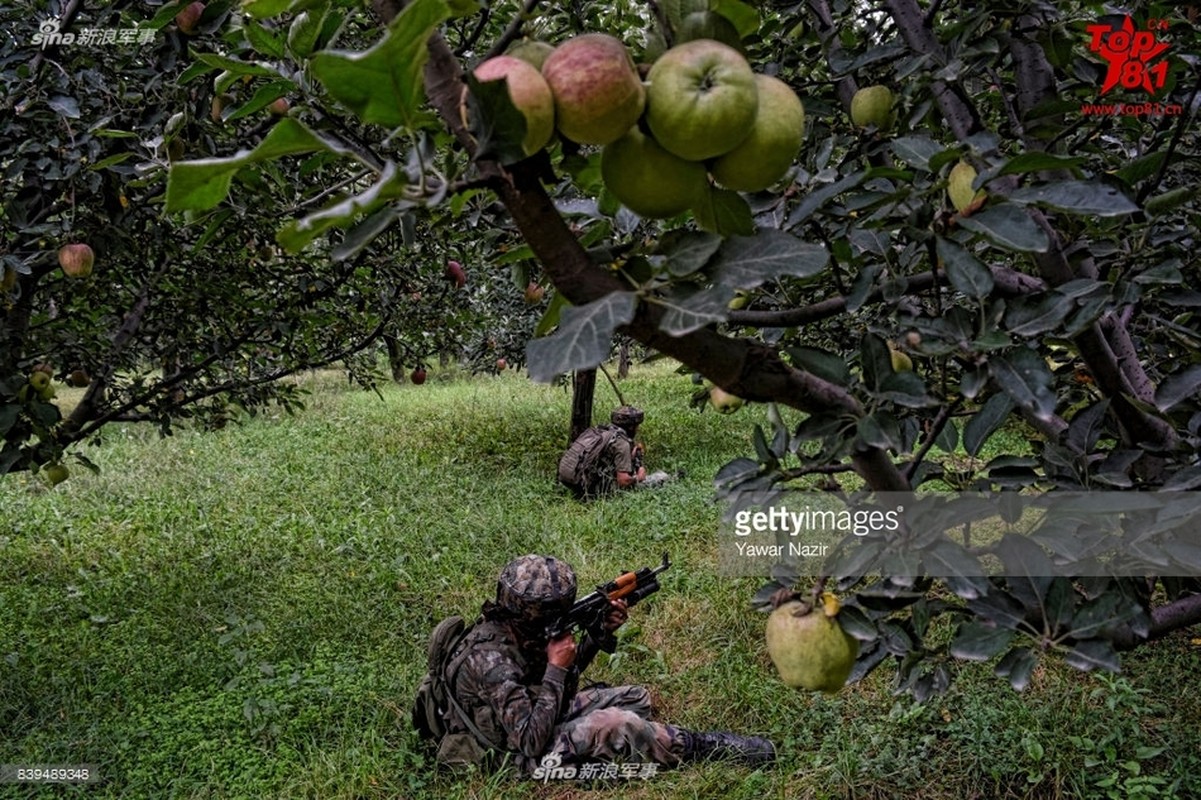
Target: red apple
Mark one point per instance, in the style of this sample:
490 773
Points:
598 92
455 274
279 106
189 16
501 364
418 376
530 95
534 293
76 260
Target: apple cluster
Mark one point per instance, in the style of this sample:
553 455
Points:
701 113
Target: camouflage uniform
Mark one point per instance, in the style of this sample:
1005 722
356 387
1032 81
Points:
514 697
617 455
527 708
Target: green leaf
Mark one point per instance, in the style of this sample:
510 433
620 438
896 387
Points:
744 17
822 363
1028 570
875 361
236 66
690 308
550 319
296 235
64 106
263 40
1031 316
1017 665
916 151
975 641
1036 162
960 569
383 85
200 185
1178 387
1024 376
966 273
818 197
1008 226
498 126
262 97
744 262
583 338
262 9
725 213
1086 427
365 232
1093 654
687 251
1077 197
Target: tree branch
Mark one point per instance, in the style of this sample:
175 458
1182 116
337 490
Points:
1165 619
1007 283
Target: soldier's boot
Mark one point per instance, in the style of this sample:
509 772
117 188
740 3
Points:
725 746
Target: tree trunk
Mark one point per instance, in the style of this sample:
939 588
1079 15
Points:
623 358
583 391
395 358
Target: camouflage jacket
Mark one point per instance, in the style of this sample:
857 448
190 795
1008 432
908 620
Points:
512 694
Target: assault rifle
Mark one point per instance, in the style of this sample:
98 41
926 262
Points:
589 612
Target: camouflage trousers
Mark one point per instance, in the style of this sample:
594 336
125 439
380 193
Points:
612 723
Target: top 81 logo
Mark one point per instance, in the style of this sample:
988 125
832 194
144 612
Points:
1129 53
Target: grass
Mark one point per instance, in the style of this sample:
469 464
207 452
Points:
244 614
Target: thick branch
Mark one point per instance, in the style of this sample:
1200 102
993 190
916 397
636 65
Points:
959 113
1165 619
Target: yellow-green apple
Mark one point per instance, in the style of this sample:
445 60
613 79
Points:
647 179
766 154
702 99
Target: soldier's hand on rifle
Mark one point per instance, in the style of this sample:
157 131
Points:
561 651
617 615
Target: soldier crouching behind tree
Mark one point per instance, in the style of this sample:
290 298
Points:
512 693
606 458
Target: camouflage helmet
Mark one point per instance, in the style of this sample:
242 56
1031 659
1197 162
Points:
627 417
535 587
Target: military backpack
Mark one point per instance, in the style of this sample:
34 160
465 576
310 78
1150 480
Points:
434 704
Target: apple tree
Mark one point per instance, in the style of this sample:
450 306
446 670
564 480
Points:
894 309
196 317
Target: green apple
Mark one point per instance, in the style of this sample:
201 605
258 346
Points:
598 94
872 105
56 473
647 179
709 25
766 154
723 401
809 647
531 51
530 95
702 99
960 191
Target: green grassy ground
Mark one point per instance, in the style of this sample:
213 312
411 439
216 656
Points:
244 614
